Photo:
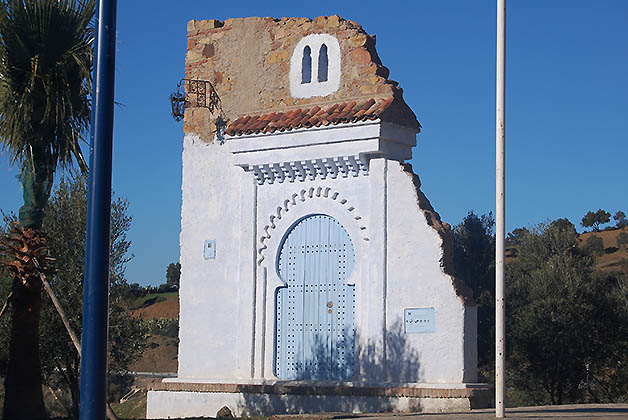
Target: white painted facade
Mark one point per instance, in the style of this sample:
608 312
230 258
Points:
227 303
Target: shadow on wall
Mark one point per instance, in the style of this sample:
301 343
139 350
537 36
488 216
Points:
271 404
311 392
400 365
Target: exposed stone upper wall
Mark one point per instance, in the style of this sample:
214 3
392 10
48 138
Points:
248 62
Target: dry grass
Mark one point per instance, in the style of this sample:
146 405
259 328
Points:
614 258
166 306
160 356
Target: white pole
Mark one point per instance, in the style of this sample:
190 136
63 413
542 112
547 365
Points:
500 187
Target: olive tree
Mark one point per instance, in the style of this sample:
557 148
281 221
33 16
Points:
474 261
595 219
563 317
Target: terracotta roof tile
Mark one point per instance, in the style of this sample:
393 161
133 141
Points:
389 109
364 109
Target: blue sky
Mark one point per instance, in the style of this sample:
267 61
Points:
567 106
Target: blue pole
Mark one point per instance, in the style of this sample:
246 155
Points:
96 283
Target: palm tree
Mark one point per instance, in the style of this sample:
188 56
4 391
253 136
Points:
45 67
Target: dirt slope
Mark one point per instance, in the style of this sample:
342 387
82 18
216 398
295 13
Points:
162 351
160 356
165 306
614 258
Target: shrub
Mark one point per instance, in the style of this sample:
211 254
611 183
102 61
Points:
167 327
594 246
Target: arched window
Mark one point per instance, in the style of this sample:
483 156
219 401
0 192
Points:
322 64
315 66
306 65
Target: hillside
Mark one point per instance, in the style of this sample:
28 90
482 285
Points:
163 343
613 258
157 305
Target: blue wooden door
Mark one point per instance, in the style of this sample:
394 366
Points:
315 333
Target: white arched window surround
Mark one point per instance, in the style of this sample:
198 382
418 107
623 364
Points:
314 87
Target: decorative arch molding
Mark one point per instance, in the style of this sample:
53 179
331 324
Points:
300 198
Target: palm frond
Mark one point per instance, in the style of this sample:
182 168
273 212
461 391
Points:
45 78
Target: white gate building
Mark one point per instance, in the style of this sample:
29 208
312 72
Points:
315 273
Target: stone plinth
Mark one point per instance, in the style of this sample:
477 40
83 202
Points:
258 399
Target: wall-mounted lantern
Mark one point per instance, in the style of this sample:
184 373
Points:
177 101
193 93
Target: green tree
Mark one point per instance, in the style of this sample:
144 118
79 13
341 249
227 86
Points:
516 237
173 274
64 222
608 381
620 218
594 246
474 262
45 66
596 219
562 317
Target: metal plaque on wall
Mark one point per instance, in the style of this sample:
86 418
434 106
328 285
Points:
419 320
209 250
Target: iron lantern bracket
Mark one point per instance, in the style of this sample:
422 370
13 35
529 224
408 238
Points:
194 93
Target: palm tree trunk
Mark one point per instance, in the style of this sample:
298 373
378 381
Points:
23 383
37 179
23 393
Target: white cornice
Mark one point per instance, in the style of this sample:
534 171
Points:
318 152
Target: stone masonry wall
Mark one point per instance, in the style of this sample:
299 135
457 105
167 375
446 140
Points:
248 62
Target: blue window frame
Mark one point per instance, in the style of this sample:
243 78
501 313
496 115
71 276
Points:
322 64
306 65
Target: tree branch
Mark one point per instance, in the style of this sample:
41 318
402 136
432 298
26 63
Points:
66 323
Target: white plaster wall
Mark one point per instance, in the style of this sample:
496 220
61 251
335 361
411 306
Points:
397 266
209 288
227 304
417 280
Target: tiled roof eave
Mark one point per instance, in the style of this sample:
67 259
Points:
302 129
388 109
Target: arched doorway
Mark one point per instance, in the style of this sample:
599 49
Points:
315 333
